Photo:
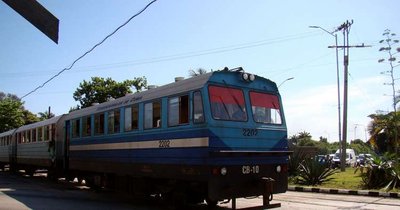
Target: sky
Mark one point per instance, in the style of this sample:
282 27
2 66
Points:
268 38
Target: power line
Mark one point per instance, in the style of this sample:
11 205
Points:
89 51
185 55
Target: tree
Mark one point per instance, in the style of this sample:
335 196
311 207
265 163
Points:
384 131
199 71
45 115
389 43
11 114
100 90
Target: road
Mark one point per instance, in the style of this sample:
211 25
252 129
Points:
19 192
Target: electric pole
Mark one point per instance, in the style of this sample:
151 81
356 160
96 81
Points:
345 27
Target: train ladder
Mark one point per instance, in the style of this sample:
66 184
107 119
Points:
267 197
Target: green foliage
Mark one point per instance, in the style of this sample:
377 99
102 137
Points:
45 115
312 172
100 90
382 172
295 159
361 147
11 114
384 131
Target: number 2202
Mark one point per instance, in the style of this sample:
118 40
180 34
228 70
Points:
250 132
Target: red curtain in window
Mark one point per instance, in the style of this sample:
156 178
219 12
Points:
264 100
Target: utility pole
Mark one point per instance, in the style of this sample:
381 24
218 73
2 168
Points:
345 27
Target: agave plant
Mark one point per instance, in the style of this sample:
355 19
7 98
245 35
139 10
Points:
382 172
312 172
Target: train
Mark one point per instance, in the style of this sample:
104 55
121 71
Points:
212 137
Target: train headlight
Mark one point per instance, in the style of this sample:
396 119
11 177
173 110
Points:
252 77
245 76
224 171
278 169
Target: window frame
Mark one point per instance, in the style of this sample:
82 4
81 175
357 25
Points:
179 110
130 118
253 114
155 123
230 116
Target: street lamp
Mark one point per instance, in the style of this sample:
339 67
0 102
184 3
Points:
285 81
337 76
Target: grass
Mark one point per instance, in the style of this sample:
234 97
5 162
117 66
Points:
344 180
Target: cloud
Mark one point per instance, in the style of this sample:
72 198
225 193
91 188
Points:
315 110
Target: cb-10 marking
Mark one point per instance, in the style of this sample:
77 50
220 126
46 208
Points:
251 169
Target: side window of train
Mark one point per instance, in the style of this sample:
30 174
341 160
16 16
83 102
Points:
47 131
86 126
114 121
178 110
34 135
40 134
28 136
75 129
198 112
131 117
99 124
53 131
152 115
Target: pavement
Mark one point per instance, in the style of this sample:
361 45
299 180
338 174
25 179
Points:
344 191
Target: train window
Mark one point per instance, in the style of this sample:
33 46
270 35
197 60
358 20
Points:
86 126
265 108
19 138
99 124
178 110
152 115
28 136
131 117
23 137
227 103
53 131
34 135
75 128
40 134
198 113
47 132
114 122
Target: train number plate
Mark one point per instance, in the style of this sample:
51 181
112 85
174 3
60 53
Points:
251 169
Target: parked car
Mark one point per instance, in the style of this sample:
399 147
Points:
350 158
364 159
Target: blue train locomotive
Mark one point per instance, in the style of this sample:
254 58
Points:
215 136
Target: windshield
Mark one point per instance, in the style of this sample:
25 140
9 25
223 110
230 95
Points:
265 108
227 103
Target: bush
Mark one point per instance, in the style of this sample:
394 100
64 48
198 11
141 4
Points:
313 172
381 172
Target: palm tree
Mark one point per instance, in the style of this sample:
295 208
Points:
45 115
384 130
199 71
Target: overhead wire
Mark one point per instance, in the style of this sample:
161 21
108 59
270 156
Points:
184 55
90 50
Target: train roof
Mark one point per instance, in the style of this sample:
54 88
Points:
41 123
175 88
10 132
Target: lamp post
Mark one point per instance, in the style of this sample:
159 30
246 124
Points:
285 81
338 79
